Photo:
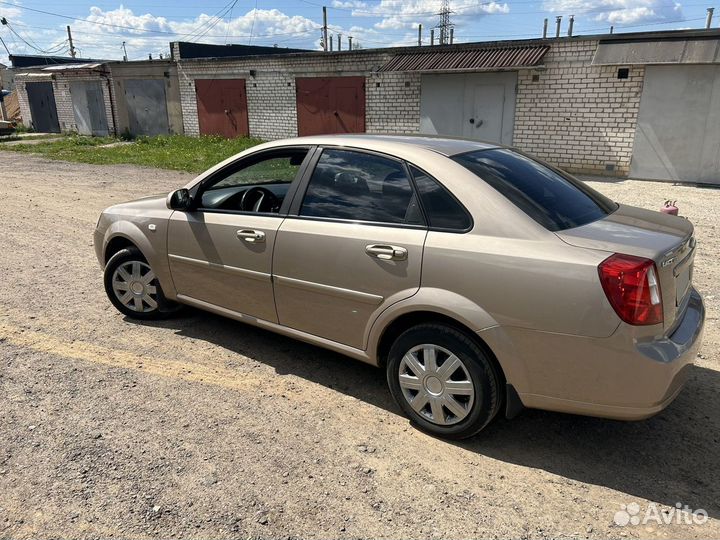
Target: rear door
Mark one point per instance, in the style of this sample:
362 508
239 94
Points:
220 253
351 246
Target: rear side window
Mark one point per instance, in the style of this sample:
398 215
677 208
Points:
555 200
442 209
361 187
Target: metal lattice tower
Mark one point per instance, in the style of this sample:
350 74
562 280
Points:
445 23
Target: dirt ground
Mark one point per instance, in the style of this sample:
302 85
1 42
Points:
202 427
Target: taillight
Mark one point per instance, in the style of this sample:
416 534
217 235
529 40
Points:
632 287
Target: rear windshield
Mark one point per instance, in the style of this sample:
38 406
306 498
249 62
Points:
556 200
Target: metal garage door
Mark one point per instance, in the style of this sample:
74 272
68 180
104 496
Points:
41 99
222 107
146 106
89 108
474 105
330 105
678 130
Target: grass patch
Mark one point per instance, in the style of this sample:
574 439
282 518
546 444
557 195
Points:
176 152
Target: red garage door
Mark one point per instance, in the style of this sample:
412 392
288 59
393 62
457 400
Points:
330 105
222 107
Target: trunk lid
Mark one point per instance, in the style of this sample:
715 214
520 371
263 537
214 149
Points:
667 240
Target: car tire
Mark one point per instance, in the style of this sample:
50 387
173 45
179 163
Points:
133 289
443 381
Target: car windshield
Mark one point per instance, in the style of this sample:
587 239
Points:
556 200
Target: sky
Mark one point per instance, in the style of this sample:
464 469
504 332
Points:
99 27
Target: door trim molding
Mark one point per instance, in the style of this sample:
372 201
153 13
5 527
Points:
352 352
330 290
252 274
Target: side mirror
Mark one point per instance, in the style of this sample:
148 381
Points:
179 200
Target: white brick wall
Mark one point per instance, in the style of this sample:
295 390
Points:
391 105
578 116
23 102
392 102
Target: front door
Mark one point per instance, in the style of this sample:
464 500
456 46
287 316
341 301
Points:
354 247
220 253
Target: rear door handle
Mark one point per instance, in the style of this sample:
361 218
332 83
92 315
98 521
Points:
251 236
386 252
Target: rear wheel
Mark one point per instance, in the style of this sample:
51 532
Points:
443 381
133 288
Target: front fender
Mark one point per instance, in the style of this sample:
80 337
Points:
151 243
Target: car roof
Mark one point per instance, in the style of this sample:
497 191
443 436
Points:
447 146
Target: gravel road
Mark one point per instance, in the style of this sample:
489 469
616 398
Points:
202 427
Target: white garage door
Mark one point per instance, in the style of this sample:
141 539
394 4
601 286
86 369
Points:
474 105
678 131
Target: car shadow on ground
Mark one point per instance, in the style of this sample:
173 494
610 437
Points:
672 457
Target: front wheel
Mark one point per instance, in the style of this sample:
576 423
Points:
443 381
133 288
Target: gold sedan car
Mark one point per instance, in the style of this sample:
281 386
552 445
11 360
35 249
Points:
477 276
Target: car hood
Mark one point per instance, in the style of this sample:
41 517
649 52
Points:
631 230
152 202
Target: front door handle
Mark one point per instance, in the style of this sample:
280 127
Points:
251 236
386 252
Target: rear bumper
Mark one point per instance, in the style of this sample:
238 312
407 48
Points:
619 377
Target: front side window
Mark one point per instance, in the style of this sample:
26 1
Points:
361 187
258 184
555 200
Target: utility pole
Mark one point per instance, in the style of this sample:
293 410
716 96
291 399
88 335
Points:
324 29
72 48
3 42
125 51
419 35
444 22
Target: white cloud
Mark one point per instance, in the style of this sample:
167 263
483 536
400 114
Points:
399 14
349 4
151 33
625 12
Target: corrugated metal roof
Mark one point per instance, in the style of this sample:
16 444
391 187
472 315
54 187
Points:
469 59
